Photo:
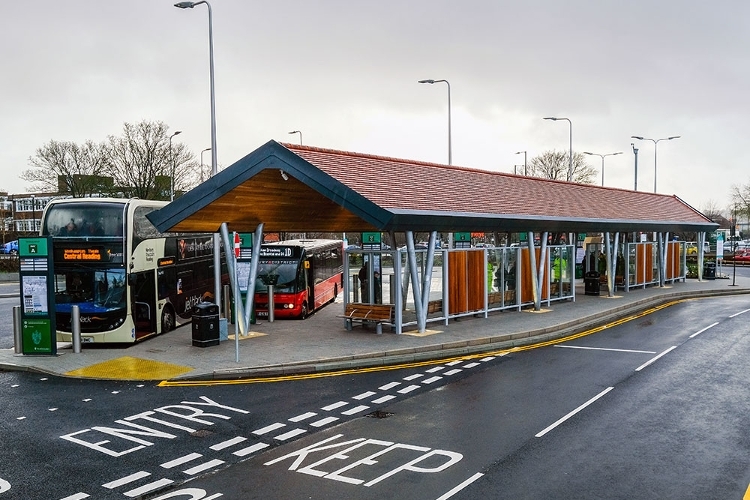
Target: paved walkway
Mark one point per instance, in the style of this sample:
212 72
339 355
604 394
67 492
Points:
321 343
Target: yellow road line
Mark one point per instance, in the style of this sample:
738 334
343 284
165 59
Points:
416 364
747 493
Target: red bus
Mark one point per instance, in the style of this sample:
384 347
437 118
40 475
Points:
305 274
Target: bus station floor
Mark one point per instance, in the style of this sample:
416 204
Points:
321 343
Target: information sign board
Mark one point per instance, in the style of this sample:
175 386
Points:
38 326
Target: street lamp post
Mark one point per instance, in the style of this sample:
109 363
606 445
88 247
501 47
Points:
602 157
524 160
635 154
300 135
655 141
171 155
214 163
570 161
190 5
450 152
207 149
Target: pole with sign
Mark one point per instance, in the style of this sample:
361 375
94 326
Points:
237 300
38 325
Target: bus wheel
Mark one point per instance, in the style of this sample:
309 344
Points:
167 320
335 293
303 314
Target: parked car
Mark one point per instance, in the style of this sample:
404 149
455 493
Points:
10 248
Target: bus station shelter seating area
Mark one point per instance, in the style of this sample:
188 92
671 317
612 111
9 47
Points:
283 187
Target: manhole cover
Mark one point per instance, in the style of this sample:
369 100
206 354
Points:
379 414
201 433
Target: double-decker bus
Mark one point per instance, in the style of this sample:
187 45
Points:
305 274
129 280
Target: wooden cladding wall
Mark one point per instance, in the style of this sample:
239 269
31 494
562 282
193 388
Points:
466 276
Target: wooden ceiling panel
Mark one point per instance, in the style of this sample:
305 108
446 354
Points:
281 205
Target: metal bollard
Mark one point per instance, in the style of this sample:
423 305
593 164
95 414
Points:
17 333
227 303
271 304
75 327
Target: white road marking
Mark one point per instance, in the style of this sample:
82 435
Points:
363 395
566 417
147 488
269 428
408 389
125 480
87 400
44 378
356 409
471 365
603 349
115 392
290 434
205 466
413 377
431 380
644 365
334 406
324 421
302 417
701 331
453 371
488 358
181 460
741 312
77 496
389 386
20 418
14 385
384 399
436 369
453 363
53 409
460 486
228 443
250 449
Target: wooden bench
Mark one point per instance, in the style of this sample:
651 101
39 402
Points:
375 313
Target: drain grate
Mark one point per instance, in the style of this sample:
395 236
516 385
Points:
379 414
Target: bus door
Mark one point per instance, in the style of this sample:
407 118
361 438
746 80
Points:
143 294
309 283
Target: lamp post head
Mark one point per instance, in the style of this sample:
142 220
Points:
177 132
673 137
636 137
519 152
426 81
294 132
618 153
185 5
550 118
587 153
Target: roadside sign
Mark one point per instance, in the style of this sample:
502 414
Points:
38 326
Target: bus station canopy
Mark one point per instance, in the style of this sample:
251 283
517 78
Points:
307 189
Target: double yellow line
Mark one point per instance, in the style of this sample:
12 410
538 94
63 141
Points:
416 364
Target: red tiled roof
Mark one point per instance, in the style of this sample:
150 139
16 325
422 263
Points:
394 183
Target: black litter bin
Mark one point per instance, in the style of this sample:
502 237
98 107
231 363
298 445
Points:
709 270
591 283
205 324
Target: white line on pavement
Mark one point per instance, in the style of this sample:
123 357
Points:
566 417
644 365
603 349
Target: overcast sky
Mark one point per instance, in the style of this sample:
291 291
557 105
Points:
344 72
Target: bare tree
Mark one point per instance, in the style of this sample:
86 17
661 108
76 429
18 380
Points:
66 167
143 163
741 200
555 165
711 210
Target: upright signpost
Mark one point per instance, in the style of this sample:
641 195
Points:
38 327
